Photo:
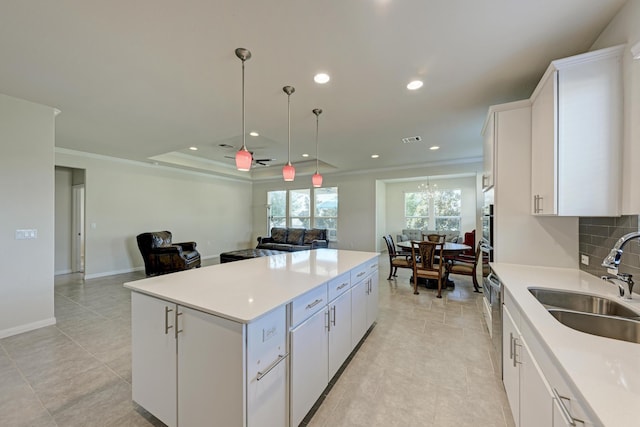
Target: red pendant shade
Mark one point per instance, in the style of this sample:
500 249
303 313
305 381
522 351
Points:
288 172
243 159
316 179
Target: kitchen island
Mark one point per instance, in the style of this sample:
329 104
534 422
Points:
553 373
249 343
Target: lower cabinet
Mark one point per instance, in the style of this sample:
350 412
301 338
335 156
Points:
181 375
309 363
537 393
364 306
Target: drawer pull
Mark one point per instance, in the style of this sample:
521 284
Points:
313 304
342 286
280 358
563 409
374 265
362 273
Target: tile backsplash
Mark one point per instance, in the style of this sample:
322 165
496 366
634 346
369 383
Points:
597 235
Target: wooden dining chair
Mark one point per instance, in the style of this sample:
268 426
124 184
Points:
396 259
425 255
434 237
469 268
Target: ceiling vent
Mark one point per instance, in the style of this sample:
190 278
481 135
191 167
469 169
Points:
411 139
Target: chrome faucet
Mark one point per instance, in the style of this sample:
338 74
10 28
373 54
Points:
612 261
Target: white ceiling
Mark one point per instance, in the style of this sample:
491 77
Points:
146 79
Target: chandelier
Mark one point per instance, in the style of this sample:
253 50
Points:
428 191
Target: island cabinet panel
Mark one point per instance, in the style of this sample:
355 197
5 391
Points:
309 363
154 357
339 332
359 295
191 368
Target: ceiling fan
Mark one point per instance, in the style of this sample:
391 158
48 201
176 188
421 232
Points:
261 162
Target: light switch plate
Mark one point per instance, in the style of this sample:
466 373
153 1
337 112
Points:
584 259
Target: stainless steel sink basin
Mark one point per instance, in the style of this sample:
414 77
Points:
576 301
604 326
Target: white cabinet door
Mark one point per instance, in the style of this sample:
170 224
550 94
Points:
488 152
359 297
372 299
267 370
510 369
536 397
544 167
153 356
309 364
211 366
339 332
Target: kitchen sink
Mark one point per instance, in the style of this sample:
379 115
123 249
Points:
585 303
595 324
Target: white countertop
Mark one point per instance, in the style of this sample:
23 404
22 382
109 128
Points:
606 372
245 290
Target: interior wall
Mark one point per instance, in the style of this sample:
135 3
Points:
381 214
395 201
125 198
26 284
63 221
357 202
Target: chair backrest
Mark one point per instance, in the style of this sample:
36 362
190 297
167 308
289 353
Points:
391 247
153 240
435 237
424 254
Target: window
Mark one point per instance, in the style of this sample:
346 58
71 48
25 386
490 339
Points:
300 208
277 201
326 210
293 208
442 212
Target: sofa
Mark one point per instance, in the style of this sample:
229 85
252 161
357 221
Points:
162 256
416 234
294 239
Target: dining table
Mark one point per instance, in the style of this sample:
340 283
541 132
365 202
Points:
449 250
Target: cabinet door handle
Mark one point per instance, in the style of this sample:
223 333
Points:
515 353
280 358
167 310
334 315
342 286
313 304
510 345
327 320
568 418
176 330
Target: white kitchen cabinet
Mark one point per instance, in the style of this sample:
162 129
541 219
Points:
153 357
358 312
372 299
527 391
577 136
339 332
191 368
309 363
488 152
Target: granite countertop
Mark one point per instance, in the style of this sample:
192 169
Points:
606 372
245 290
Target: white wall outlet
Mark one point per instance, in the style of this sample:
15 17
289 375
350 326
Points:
584 259
26 234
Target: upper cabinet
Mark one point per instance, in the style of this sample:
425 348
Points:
488 151
576 119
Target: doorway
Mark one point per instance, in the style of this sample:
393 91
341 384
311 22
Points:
69 220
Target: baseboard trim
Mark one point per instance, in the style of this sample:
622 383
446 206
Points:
27 327
111 273
58 273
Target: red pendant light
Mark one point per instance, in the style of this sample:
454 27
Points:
316 179
288 171
243 156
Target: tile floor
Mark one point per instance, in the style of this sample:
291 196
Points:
427 362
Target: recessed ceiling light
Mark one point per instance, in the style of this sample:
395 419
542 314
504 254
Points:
435 147
305 155
193 148
416 84
375 156
321 78
254 133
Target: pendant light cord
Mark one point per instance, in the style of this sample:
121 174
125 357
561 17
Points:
244 133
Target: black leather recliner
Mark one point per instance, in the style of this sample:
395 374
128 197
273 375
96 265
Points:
162 256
